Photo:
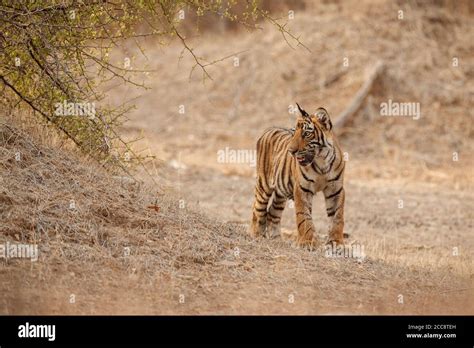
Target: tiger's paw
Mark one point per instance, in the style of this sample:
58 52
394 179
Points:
335 238
308 243
256 231
336 242
273 231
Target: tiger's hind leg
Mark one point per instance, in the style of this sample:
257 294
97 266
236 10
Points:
259 213
274 216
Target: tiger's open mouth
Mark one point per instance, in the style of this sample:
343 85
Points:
304 159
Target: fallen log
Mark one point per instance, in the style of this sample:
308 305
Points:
359 98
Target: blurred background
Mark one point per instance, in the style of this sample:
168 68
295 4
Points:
427 52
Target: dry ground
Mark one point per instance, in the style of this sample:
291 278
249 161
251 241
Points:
199 260
215 266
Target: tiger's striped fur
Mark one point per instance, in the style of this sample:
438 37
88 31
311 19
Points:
295 164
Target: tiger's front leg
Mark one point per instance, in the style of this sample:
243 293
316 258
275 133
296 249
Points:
335 196
303 206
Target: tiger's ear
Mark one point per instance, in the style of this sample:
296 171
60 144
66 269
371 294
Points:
303 113
323 118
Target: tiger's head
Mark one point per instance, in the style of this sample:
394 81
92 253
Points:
312 137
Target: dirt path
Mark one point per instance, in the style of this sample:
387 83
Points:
409 265
418 259
419 251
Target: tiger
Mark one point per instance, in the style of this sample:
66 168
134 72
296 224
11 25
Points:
295 164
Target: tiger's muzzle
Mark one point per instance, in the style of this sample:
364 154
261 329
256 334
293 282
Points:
304 158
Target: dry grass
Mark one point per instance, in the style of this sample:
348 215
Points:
177 252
